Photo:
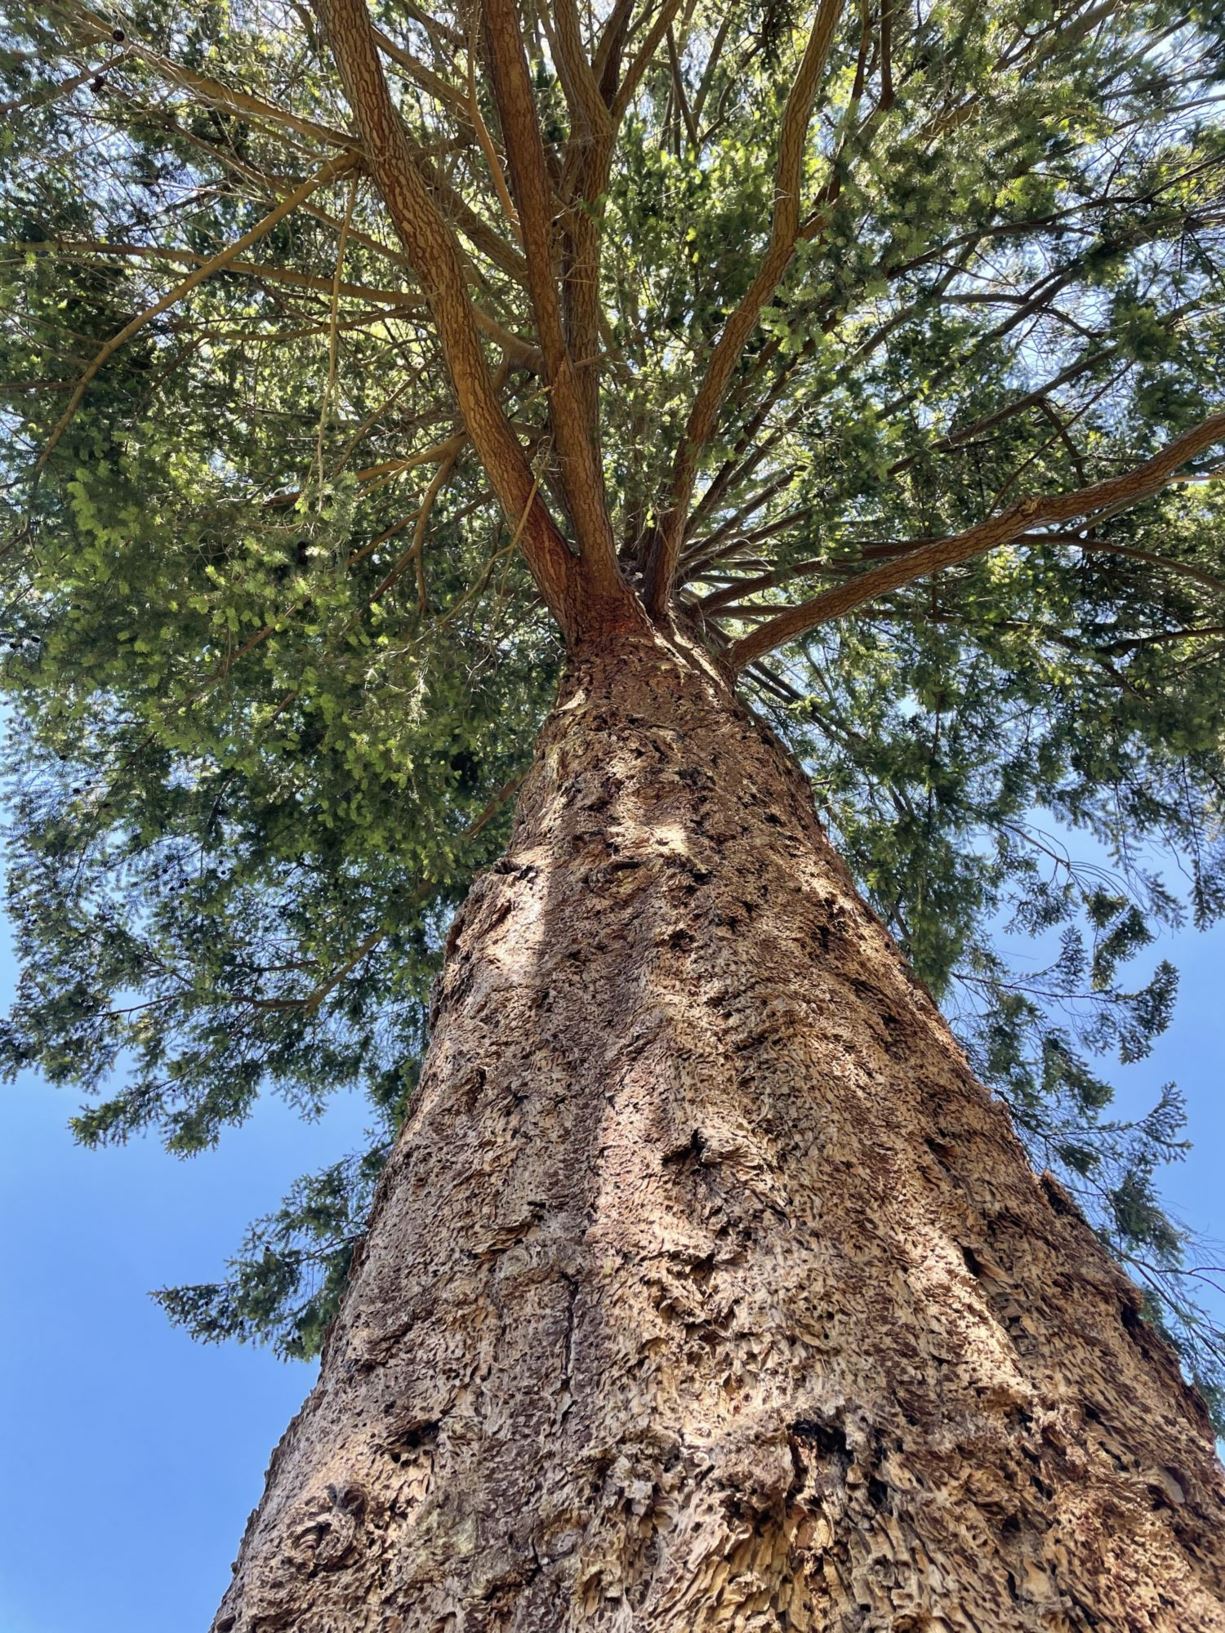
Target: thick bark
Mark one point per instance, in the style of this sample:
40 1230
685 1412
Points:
706 1289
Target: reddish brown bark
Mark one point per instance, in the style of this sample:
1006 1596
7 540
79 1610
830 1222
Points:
583 595
706 1289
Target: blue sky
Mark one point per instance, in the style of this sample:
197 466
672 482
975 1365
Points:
132 1454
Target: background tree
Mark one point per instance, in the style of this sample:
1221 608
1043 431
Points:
358 363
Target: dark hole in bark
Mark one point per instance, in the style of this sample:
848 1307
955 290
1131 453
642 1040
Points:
352 1499
827 1438
1167 1487
878 1492
971 1258
691 1151
701 1270
706 1333
413 1437
472 1088
940 1149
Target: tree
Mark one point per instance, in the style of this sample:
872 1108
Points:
390 387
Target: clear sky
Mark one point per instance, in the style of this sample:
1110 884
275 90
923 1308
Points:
132 1455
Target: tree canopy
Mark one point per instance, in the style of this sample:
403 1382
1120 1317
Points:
878 345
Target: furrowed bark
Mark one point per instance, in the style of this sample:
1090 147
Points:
706 1289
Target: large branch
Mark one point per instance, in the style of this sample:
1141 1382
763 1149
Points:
432 249
642 58
532 188
450 96
260 271
588 110
784 230
481 234
584 180
607 63
257 111
873 549
1116 493
473 225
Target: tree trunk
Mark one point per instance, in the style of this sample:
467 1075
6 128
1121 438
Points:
706 1288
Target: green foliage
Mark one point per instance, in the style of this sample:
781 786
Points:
286 1283
255 733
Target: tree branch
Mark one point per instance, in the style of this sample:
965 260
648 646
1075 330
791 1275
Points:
313 999
52 93
450 96
784 229
209 91
1114 493
588 110
643 58
435 256
488 325
488 149
582 480
330 171
262 271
